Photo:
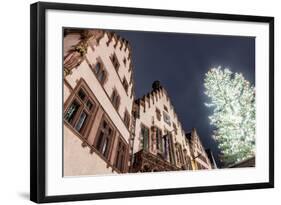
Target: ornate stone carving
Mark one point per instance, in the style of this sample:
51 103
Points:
75 57
148 162
78 52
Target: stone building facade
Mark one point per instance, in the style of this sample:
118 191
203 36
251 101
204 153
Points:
98 101
107 130
159 136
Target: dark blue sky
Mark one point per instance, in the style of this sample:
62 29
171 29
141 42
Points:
180 62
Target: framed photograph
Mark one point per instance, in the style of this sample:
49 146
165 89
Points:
129 102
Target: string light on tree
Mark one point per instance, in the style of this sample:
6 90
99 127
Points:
232 99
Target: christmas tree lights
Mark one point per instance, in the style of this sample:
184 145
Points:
232 100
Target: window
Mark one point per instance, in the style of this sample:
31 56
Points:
125 84
120 156
104 138
81 121
115 62
79 111
115 99
124 60
165 108
132 91
158 114
175 128
166 118
100 72
127 119
158 136
71 111
179 154
145 137
168 150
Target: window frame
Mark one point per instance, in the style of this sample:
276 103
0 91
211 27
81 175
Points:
115 102
74 97
111 137
158 133
125 154
142 137
115 62
158 114
127 119
125 85
102 69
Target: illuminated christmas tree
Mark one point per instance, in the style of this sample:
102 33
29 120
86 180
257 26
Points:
233 101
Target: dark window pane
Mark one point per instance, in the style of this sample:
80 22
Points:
81 94
144 132
115 62
99 142
117 102
89 104
104 124
109 131
71 112
81 121
124 61
115 99
104 147
101 76
159 140
97 67
121 163
113 95
158 114
125 84
117 159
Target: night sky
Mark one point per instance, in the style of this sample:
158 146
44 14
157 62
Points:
180 62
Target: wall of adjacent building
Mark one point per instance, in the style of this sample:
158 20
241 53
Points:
199 152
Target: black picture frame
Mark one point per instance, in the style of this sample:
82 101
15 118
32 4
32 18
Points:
38 101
